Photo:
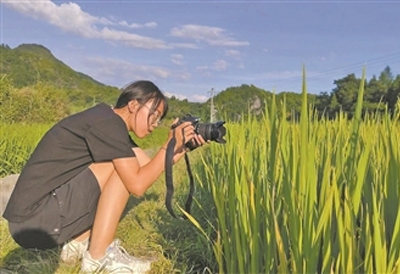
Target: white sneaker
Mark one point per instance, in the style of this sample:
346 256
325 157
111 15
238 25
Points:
116 260
73 251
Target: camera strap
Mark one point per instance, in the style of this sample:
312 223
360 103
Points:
169 179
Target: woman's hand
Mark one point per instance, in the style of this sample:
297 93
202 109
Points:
197 141
183 134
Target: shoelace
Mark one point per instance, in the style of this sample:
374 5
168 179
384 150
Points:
120 252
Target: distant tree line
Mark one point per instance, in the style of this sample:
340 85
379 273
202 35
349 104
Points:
36 87
44 102
381 93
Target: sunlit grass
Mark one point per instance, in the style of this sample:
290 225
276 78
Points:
316 196
17 142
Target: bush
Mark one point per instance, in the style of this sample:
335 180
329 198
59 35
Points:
40 103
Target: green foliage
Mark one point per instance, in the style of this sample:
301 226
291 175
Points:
235 103
39 103
380 93
29 64
393 94
318 196
17 143
155 140
346 91
178 108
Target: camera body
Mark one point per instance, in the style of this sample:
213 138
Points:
209 131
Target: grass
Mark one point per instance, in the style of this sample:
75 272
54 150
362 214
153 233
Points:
16 144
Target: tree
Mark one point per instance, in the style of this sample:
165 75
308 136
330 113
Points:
393 95
346 92
334 106
235 103
322 103
386 77
40 103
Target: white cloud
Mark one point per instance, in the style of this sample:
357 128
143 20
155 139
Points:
184 45
183 75
191 98
110 70
71 18
220 65
233 53
130 39
204 70
177 59
212 35
137 26
176 95
198 98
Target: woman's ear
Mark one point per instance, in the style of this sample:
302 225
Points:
132 106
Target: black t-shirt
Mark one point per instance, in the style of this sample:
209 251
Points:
94 135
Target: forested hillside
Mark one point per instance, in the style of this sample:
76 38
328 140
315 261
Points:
30 64
37 87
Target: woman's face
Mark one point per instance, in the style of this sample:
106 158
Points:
142 122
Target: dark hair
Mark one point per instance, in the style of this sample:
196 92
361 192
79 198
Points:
142 91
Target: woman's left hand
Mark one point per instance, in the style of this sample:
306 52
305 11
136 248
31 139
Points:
197 141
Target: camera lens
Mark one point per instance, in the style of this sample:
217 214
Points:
212 131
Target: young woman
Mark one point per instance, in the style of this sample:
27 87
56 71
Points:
77 182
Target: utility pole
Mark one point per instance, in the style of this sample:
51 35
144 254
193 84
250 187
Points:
212 92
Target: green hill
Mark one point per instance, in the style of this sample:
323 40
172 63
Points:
29 64
236 102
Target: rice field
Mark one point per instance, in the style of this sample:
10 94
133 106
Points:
17 143
316 196
307 196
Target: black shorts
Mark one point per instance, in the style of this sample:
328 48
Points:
62 214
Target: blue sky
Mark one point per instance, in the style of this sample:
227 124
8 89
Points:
188 48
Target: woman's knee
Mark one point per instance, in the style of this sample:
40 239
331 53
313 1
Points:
102 172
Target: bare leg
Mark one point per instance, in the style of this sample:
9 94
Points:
83 236
113 199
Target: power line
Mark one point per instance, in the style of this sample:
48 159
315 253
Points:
369 63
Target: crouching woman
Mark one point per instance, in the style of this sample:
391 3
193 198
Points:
77 182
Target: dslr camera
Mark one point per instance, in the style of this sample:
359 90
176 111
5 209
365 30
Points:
209 131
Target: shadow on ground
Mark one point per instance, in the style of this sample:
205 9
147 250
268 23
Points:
23 261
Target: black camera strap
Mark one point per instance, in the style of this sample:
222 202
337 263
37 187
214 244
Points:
169 179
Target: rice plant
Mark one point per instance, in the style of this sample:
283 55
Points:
18 141
313 196
16 145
